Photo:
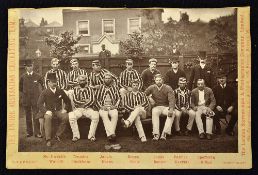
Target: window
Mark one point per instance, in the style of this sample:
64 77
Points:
84 48
108 26
134 25
83 28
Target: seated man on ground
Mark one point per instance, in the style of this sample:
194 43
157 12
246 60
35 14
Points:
107 101
83 99
203 102
50 105
164 99
136 103
182 107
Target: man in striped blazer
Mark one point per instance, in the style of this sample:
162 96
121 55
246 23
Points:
127 76
136 103
83 99
60 74
182 107
73 75
108 100
96 77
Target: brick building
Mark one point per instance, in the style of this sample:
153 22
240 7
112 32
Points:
105 26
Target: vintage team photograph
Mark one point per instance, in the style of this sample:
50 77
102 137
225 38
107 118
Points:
128 80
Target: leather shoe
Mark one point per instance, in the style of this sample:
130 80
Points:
202 136
48 143
187 132
209 136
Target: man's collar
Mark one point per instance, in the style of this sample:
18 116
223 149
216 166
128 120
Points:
159 87
30 73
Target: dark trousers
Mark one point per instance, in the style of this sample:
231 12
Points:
232 122
32 123
63 117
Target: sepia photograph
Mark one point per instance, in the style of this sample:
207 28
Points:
155 80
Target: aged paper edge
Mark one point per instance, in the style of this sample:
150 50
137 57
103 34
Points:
40 160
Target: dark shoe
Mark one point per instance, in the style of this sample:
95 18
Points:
29 135
187 132
112 138
202 136
179 133
58 138
125 123
155 137
48 143
38 136
230 133
209 136
218 132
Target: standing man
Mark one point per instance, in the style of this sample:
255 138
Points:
30 87
50 105
173 75
136 103
108 100
182 107
203 103
201 71
127 76
73 75
60 74
149 73
103 54
164 99
225 96
83 99
96 77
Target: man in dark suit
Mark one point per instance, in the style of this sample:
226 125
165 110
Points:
30 88
173 74
226 103
103 54
203 102
201 71
149 73
50 105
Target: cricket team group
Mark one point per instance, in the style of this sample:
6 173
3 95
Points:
100 95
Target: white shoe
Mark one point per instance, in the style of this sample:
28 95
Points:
155 137
93 139
143 139
163 136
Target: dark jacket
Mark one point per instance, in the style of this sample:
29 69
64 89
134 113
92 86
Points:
148 77
171 78
197 73
225 97
209 98
30 87
49 101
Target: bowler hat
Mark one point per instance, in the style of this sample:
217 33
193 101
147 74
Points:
51 77
28 62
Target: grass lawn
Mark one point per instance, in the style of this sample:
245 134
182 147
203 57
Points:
129 142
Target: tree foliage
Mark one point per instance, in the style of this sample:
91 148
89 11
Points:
63 46
133 46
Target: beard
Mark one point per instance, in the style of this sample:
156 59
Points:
82 85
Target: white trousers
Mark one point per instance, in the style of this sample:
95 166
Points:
156 112
209 121
178 115
136 118
109 124
88 113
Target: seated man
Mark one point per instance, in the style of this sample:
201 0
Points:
108 99
164 99
182 107
50 105
136 103
226 103
83 99
203 102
